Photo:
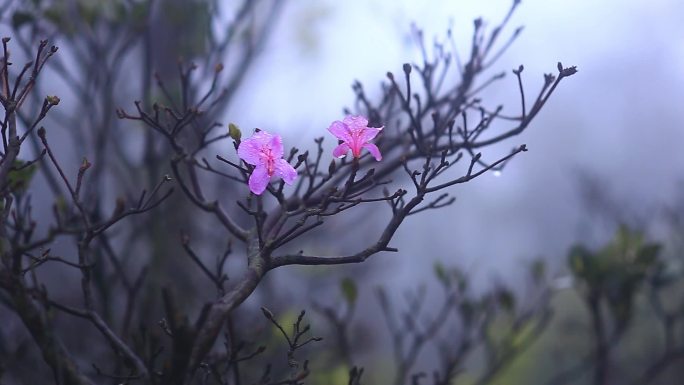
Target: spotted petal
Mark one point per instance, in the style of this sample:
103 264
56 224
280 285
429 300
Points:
259 179
341 150
374 150
369 133
341 131
285 171
355 122
250 150
276 145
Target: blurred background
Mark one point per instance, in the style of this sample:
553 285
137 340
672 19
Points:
605 151
617 122
604 159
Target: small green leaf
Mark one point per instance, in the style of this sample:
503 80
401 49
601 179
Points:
440 273
349 290
89 12
139 12
20 18
522 334
52 99
267 313
648 254
234 132
577 260
506 299
20 176
467 310
538 270
120 12
56 14
61 204
53 15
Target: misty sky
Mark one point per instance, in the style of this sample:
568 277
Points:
619 118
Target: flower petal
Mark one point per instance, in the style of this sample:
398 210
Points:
276 145
374 150
259 180
355 121
341 150
249 151
285 171
340 130
369 133
261 137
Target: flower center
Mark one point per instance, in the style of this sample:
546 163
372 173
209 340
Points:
356 142
268 159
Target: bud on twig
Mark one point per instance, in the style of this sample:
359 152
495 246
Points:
407 68
549 78
234 132
84 165
267 313
568 71
477 23
120 206
52 100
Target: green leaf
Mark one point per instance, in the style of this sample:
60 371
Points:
620 305
20 176
506 299
56 14
440 273
336 375
523 334
61 205
120 13
139 12
53 15
467 310
538 270
88 12
625 242
20 18
577 260
190 18
648 254
461 280
234 132
349 290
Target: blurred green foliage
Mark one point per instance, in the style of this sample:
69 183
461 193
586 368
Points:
20 176
550 338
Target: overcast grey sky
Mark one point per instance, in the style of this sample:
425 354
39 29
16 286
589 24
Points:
619 117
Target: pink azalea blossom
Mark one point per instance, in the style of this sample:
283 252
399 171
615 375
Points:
265 152
355 134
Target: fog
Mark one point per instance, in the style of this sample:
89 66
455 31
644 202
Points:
618 120
605 149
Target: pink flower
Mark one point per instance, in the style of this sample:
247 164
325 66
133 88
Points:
265 152
355 134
